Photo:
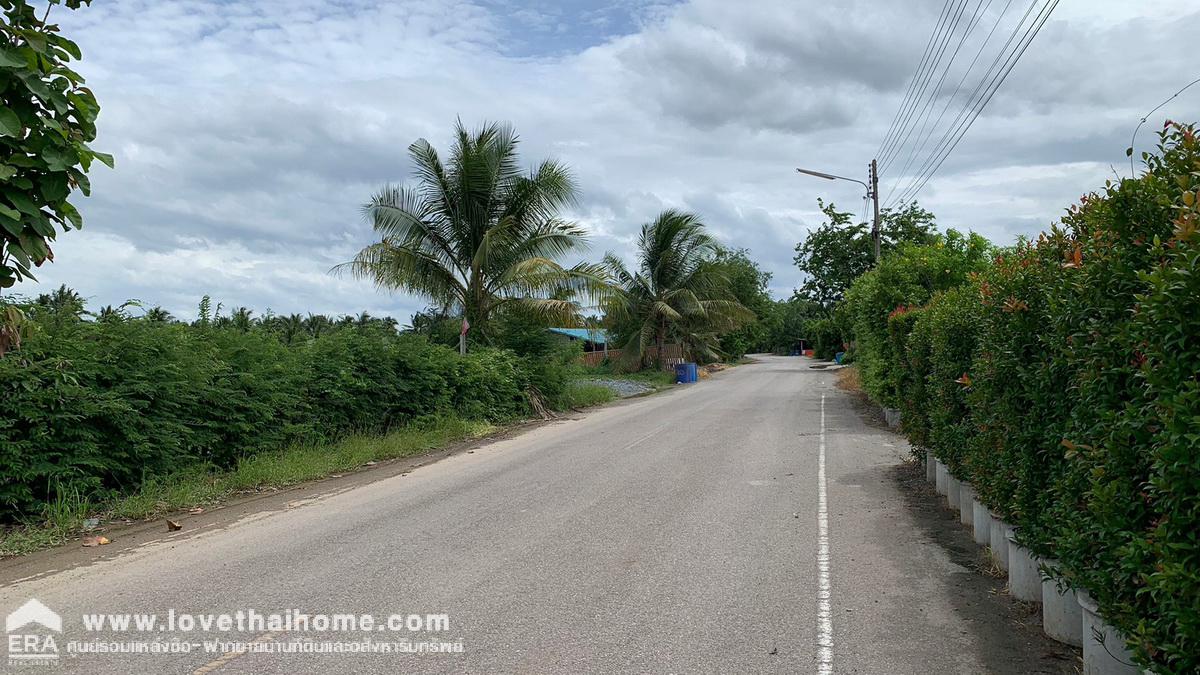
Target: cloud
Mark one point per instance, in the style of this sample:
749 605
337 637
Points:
247 135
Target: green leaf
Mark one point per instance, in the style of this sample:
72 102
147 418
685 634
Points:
11 59
35 247
22 202
7 171
58 158
81 179
10 219
86 107
54 187
35 39
10 124
18 254
68 46
42 225
104 158
68 211
35 85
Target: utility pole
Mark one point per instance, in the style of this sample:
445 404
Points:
875 196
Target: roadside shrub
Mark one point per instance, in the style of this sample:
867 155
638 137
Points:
489 385
1130 255
909 392
910 276
1165 333
98 407
952 324
1061 382
914 398
1015 376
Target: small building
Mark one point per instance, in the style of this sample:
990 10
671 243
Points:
593 339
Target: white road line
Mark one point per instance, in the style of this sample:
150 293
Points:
824 611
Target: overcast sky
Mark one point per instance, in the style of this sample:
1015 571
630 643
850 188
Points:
247 134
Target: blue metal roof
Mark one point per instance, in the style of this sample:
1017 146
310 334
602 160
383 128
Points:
596 335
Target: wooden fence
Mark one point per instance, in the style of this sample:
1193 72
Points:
672 355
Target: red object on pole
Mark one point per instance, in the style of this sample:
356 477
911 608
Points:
465 327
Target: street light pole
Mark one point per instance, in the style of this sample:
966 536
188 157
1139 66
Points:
872 192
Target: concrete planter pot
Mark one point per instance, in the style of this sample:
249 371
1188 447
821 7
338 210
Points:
1104 651
1024 578
940 477
981 520
998 541
1062 617
966 503
892 417
930 467
952 492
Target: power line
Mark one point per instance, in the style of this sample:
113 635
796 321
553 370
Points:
986 89
907 129
973 99
958 87
923 135
993 87
887 138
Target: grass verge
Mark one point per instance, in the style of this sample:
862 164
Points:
585 394
64 519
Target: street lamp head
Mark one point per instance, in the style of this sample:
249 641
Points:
818 174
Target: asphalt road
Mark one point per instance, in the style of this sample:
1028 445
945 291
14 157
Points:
675 533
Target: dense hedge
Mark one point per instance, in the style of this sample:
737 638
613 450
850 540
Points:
910 276
1061 382
96 406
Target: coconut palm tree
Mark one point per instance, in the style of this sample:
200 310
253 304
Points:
62 301
676 292
477 233
317 325
158 315
291 327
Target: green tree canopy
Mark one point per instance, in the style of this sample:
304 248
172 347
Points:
839 251
748 285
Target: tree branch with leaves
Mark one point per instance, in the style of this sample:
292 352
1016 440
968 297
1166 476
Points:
47 119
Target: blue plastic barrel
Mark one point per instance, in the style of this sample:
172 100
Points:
686 373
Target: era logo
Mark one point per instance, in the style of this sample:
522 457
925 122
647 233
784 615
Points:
27 646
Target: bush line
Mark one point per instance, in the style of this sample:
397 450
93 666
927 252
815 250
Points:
1059 378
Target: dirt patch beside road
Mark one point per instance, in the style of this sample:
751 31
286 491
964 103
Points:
1011 637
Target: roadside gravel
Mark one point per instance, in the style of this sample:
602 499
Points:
622 388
